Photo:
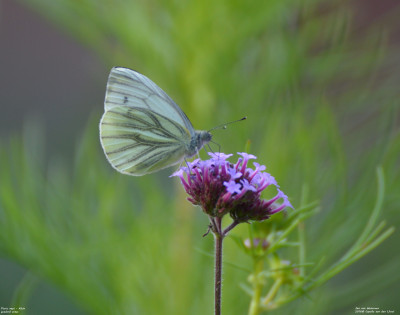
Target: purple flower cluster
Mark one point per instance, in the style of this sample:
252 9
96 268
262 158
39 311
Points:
220 187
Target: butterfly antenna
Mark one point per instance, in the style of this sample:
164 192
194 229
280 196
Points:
223 126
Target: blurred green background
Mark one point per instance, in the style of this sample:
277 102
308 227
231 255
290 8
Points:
319 82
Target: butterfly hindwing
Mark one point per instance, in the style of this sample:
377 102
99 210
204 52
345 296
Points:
138 141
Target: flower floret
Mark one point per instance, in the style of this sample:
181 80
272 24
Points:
232 187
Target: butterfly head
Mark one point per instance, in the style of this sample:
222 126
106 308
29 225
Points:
199 139
204 138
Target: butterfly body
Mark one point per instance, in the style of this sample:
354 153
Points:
142 129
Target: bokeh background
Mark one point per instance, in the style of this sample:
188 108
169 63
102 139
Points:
319 83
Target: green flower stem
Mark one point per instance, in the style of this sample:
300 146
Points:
302 233
24 290
340 266
375 212
257 287
283 236
272 293
302 248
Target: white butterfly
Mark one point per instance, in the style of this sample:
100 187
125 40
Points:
142 129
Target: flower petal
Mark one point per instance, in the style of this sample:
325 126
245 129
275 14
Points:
232 187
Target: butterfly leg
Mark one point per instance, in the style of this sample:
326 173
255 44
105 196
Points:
187 164
208 230
217 144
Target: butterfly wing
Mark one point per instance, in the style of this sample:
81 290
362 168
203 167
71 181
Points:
142 130
138 141
126 87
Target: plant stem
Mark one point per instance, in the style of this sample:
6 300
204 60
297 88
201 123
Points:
302 248
257 288
218 238
272 292
230 227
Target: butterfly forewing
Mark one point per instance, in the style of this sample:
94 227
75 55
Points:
129 88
